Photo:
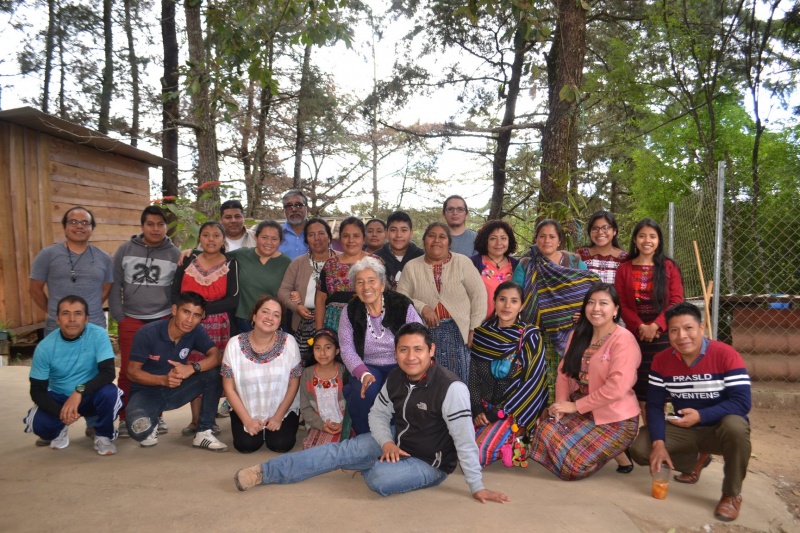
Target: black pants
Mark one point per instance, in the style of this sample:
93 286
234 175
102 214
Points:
280 441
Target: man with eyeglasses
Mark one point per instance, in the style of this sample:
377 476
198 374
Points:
455 214
143 271
72 267
295 207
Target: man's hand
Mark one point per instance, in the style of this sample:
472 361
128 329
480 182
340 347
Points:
69 411
180 370
392 453
184 255
689 417
486 495
659 456
366 380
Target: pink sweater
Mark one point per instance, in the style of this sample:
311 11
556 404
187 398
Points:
612 373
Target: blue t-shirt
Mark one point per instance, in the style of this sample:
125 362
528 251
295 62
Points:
67 364
293 244
153 348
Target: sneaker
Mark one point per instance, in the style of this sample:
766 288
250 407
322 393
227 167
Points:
104 446
62 441
42 442
151 440
224 410
89 432
162 426
206 439
123 430
248 477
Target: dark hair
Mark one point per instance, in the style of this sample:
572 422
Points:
327 333
264 224
399 216
505 286
191 297
438 225
582 335
683 308
414 328
551 222
71 209
73 299
353 221
264 298
482 238
370 221
315 220
153 210
453 197
230 204
216 224
660 259
612 221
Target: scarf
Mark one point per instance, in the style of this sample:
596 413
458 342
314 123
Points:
551 295
527 393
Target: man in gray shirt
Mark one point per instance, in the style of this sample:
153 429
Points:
455 214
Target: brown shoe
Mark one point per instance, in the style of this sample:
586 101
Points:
248 477
728 508
690 478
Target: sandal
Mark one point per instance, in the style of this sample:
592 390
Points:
690 478
626 469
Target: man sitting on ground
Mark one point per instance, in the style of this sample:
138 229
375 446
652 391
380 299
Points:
430 408
708 385
399 250
72 375
161 381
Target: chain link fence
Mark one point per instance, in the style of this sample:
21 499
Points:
754 264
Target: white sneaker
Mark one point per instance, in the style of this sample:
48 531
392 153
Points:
206 439
151 440
122 430
104 446
62 441
162 426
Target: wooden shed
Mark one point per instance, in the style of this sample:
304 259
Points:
48 165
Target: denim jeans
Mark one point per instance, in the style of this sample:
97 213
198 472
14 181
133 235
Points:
359 407
360 453
147 403
102 406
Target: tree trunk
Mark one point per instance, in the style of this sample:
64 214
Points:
62 82
564 78
264 108
244 152
300 139
204 127
48 54
169 95
374 128
133 62
108 69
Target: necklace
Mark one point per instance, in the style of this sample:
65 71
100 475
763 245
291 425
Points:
380 321
328 383
72 275
316 266
496 263
601 340
269 342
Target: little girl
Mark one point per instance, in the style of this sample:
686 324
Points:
321 401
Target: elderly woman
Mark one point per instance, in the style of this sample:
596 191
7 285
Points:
366 334
595 416
298 289
495 244
448 293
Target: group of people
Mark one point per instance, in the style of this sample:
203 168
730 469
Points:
400 360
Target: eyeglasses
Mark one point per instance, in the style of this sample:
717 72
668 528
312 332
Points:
604 229
456 210
73 222
296 205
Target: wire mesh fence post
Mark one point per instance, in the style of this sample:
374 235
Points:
718 247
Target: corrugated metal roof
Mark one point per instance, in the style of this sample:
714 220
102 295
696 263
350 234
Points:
34 119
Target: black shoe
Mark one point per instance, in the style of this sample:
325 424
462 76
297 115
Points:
627 469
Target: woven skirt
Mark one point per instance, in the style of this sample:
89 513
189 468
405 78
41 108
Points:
333 311
218 327
649 350
305 330
451 350
575 448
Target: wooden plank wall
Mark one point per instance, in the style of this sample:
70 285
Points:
40 178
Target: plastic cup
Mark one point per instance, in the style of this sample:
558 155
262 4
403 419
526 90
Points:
661 482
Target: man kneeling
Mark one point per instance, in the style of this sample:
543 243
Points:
161 381
708 385
432 417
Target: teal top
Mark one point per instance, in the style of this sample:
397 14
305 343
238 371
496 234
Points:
256 279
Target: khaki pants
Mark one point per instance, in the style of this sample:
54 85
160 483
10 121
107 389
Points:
730 438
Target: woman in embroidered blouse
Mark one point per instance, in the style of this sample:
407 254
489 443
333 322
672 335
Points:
507 379
366 332
261 376
604 255
298 289
648 285
453 305
595 416
334 289
214 277
495 244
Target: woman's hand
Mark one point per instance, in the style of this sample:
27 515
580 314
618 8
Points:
429 317
333 428
558 409
294 297
481 420
648 332
366 380
253 426
184 255
304 312
273 423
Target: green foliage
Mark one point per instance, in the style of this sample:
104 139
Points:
186 219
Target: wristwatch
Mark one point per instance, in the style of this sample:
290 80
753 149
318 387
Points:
80 389
196 367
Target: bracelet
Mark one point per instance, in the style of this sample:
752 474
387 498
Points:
364 375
